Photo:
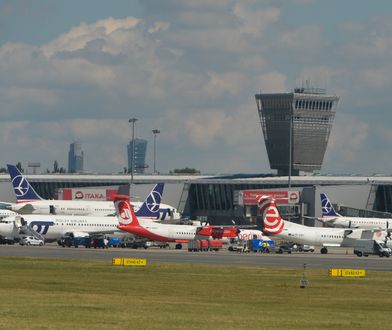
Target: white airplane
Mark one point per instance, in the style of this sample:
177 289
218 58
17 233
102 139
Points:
52 227
29 202
333 219
274 225
129 222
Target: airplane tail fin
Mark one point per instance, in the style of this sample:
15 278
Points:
22 188
327 208
272 223
124 211
150 207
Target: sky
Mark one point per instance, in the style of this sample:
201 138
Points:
78 70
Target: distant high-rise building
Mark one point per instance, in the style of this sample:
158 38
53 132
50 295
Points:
302 121
140 149
75 158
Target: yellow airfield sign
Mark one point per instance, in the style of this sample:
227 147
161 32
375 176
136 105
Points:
129 262
342 272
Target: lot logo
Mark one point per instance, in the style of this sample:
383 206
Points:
326 206
41 227
153 201
21 186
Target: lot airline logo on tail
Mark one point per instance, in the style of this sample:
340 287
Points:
272 222
153 201
21 186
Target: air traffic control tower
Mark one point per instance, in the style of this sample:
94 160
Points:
301 122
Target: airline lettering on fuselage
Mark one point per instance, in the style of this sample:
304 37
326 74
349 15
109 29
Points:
21 186
41 227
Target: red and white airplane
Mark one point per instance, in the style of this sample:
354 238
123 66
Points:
274 225
163 232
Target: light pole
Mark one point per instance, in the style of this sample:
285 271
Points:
133 120
155 132
290 147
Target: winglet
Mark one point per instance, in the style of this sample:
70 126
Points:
23 190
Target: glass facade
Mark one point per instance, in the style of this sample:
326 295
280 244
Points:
75 158
139 147
215 202
296 128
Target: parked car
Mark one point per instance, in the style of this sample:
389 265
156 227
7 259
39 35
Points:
306 248
31 240
284 248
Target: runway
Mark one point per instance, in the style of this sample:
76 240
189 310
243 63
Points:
337 258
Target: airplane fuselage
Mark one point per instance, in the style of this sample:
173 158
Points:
357 222
161 232
71 207
53 227
319 236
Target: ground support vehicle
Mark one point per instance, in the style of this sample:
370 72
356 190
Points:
238 246
114 241
134 243
68 241
255 245
260 245
7 241
204 245
284 248
366 247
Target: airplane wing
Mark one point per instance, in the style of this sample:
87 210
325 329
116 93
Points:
26 209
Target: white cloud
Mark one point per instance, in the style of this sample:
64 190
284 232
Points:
348 138
191 69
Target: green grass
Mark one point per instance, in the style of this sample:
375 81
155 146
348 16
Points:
53 294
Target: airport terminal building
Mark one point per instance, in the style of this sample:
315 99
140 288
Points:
296 128
219 199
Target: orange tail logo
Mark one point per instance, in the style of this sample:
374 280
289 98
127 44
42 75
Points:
272 222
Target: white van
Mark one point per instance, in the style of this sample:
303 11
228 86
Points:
365 247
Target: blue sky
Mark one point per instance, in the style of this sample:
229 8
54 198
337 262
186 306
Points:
77 70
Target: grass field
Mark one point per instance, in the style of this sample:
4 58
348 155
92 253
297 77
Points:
53 294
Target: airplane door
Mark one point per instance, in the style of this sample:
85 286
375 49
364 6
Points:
52 209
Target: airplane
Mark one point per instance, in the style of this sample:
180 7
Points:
52 227
333 219
274 225
129 222
29 202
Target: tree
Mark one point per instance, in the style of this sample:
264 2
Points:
185 170
19 166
